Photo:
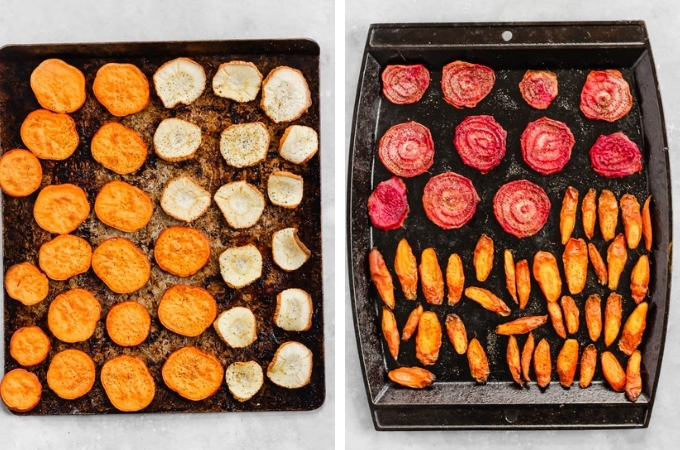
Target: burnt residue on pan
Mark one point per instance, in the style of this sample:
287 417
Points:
22 237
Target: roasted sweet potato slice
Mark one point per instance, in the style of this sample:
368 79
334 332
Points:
589 213
478 362
65 256
647 224
631 336
568 213
187 310
412 323
522 325
632 219
598 264
567 360
633 377
455 279
608 213
381 277
487 300
58 86
390 332
639 279
122 88
123 206
73 315
575 259
121 265
50 135
181 251
612 318
20 390
513 358
128 323
455 329
570 314
413 377
407 270
428 338
557 320
613 372
588 365
593 310
61 208
616 261
29 346
510 275
527 354
543 363
20 173
128 383
71 374
431 277
118 148
483 257
523 277
193 374
547 275
26 283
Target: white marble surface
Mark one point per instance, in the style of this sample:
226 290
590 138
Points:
662 23
25 22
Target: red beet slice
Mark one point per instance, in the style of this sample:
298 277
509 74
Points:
521 207
615 156
405 84
450 200
606 96
387 205
407 149
464 84
539 88
480 142
546 145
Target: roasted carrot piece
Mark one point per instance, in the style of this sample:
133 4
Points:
647 224
390 332
633 378
510 277
527 353
428 338
455 329
487 300
631 336
608 213
407 269
598 263
568 213
523 277
613 372
431 277
567 360
612 318
575 259
478 362
542 363
589 213
555 313
412 323
547 275
513 358
570 314
522 325
413 377
639 279
455 279
616 260
588 365
381 277
632 220
594 317
483 257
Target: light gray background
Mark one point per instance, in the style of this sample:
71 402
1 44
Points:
27 22
662 23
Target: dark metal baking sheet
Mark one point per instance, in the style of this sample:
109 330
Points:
22 237
571 50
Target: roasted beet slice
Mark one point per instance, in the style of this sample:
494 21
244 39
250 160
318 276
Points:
464 84
407 149
387 205
546 145
538 88
521 207
606 96
405 84
450 200
615 156
480 142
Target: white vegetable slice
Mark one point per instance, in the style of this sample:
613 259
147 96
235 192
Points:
240 266
292 366
176 140
241 203
298 144
237 80
285 189
285 94
184 199
244 144
236 327
244 379
293 310
288 251
179 81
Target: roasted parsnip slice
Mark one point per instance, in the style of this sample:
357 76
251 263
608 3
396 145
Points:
413 377
522 325
412 323
176 139
575 259
568 213
593 310
237 80
291 367
631 336
617 255
523 278
381 277
431 277
608 213
570 314
598 263
557 320
639 279
285 189
487 300
589 213
567 360
612 318
244 379
613 372
428 339
455 329
632 219
547 275
241 266
479 364
285 94
513 358
633 378
455 279
510 276
647 224
588 365
237 327
179 81
527 353
407 270
241 203
390 332
542 363
483 257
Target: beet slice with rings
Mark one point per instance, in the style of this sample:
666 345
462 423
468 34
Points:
538 88
403 85
480 142
464 84
546 145
450 200
521 208
407 149
615 156
387 205
606 96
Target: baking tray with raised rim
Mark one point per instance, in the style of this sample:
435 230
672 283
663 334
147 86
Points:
570 49
22 237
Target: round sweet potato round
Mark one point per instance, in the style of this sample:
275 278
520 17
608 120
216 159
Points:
73 315
187 310
193 374
123 206
128 324
20 390
71 374
50 135
122 88
29 346
121 265
58 86
20 173
61 208
128 383
26 283
118 148
181 251
65 256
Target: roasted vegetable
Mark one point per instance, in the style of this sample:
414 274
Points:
647 224
570 314
608 213
588 365
455 329
594 317
455 279
483 257
542 363
428 338
555 313
487 300
598 264
568 213
413 377
632 220
407 270
522 325
616 261
567 360
527 353
639 279
575 259
589 213
633 378
523 278
631 336
512 356
612 318
510 277
431 277
412 323
479 364
547 275
390 332
381 277
613 372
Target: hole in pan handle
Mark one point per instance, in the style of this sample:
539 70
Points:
506 35
511 416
